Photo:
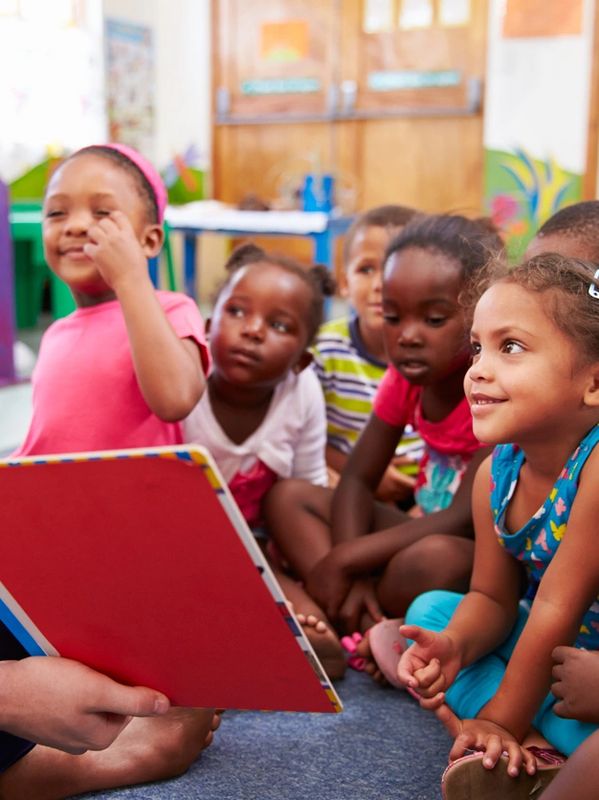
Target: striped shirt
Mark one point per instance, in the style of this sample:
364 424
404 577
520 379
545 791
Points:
349 376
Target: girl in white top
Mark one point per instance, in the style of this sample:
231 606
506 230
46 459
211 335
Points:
262 416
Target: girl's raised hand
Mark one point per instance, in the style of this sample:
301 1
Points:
116 251
486 736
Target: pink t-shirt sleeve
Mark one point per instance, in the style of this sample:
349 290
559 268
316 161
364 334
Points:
396 399
186 320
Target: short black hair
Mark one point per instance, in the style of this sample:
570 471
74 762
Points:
388 216
470 242
578 221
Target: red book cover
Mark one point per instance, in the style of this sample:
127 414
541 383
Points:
139 564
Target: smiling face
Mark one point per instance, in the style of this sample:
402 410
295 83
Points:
526 381
81 192
259 329
424 325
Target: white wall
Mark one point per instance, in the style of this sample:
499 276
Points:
52 87
538 91
181 35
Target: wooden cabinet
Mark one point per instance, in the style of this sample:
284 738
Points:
304 85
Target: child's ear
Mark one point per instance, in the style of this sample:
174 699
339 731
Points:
342 287
152 240
591 395
304 360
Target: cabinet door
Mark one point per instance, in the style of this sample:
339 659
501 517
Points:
394 114
274 58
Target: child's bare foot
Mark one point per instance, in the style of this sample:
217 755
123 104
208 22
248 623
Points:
381 648
325 643
317 628
148 749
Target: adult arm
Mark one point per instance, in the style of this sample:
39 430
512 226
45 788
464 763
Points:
63 704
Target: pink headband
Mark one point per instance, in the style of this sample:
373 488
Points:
149 172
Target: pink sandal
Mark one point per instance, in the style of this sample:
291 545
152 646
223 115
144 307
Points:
349 644
386 646
467 778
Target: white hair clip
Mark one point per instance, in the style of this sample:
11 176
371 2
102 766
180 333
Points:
593 290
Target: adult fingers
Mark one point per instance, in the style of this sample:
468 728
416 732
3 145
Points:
129 701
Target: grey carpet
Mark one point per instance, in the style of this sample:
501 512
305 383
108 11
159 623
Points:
382 746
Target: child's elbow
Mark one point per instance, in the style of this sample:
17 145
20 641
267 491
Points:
175 406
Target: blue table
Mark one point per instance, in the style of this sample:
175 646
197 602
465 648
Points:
194 219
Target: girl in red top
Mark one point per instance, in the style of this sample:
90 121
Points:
358 578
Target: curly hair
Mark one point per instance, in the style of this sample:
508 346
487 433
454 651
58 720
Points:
389 216
579 221
564 284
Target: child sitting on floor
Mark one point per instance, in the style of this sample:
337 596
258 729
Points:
262 417
349 353
356 577
533 389
121 371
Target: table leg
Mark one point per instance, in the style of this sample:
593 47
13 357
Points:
189 264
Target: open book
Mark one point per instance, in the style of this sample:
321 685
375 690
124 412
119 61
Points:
139 564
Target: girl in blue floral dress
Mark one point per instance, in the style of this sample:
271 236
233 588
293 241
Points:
486 656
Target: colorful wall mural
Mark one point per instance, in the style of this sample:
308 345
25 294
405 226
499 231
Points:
536 113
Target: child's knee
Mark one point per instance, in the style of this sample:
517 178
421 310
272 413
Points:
433 610
436 561
289 491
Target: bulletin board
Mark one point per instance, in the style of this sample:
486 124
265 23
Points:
130 84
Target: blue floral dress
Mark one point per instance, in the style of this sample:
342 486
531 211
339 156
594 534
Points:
536 543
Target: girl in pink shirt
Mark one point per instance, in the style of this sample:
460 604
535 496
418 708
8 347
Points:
120 371
128 364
